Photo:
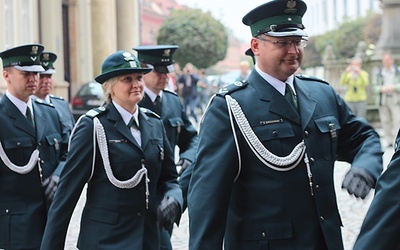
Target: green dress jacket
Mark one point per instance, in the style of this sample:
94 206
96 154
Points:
381 227
255 206
114 217
22 200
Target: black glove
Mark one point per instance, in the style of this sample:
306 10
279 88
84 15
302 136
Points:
184 163
50 186
358 182
167 212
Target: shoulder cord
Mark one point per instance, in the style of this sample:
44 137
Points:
265 156
102 142
21 169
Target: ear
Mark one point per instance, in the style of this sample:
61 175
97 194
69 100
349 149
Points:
254 44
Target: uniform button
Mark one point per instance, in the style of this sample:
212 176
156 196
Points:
42 161
306 134
312 160
274 133
7 211
264 234
322 218
317 188
18 144
139 214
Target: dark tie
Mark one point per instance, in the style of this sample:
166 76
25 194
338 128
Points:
157 104
132 123
290 97
28 115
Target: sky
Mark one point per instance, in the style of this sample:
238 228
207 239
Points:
228 12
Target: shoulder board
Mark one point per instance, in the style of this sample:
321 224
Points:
56 97
95 112
170 92
43 102
149 112
232 88
311 78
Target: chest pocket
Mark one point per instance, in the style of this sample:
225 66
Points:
274 131
13 143
329 127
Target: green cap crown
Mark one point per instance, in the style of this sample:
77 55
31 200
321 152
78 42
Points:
25 55
277 18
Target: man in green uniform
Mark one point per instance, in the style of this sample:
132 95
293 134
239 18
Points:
45 87
32 147
263 175
167 104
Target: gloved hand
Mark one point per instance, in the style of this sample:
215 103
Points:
358 182
184 163
167 212
50 186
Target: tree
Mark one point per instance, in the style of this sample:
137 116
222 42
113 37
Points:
202 40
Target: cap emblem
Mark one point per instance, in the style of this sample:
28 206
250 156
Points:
127 56
34 50
46 56
167 52
291 4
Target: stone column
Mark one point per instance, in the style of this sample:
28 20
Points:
51 30
104 31
127 24
389 38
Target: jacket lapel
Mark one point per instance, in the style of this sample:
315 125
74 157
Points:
20 120
306 103
278 104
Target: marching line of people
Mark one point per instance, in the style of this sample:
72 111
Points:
265 144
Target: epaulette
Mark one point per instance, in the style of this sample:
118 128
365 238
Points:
95 112
56 97
311 78
43 102
170 92
149 112
232 87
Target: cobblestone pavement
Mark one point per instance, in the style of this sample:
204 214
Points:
352 211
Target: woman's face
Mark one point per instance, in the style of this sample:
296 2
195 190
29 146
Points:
128 90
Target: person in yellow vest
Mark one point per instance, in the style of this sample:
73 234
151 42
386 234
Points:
356 80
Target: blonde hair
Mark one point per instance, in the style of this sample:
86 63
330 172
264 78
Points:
107 87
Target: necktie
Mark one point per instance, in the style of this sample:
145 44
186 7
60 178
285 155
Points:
28 115
157 104
290 97
132 123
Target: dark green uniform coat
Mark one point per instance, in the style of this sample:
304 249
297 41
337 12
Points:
114 218
22 200
179 129
64 112
265 208
381 227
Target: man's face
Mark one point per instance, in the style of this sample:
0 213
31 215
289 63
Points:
280 57
21 84
156 81
45 85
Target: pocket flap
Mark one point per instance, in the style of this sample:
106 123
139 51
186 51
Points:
269 230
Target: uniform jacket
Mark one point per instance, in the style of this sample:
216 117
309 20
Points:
22 200
189 92
265 208
63 111
381 228
114 218
179 129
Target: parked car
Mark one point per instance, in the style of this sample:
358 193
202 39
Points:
89 96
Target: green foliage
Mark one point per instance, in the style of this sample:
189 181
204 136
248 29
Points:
202 40
344 39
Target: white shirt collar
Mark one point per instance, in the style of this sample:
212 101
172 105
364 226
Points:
151 94
276 83
21 105
126 116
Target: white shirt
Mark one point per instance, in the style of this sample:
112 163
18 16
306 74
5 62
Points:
152 95
126 116
21 105
276 83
